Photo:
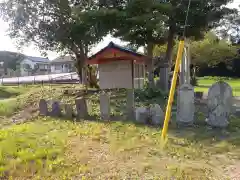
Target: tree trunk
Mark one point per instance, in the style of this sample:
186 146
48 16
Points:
92 77
79 66
150 65
164 72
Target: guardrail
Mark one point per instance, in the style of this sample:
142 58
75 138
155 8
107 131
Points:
41 79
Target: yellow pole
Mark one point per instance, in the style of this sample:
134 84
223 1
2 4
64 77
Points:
172 89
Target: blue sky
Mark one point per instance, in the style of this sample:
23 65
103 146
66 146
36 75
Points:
9 44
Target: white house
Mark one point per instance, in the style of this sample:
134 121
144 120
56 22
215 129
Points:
62 64
34 66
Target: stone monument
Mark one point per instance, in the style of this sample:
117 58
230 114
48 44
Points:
130 104
219 103
105 106
185 105
142 115
81 107
156 114
43 109
56 109
68 111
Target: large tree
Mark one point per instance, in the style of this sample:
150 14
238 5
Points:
210 50
141 22
57 25
10 59
149 22
230 27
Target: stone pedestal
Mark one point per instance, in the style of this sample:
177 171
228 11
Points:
185 105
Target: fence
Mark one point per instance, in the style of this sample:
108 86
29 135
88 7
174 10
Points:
40 79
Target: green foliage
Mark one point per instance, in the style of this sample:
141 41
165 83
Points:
71 26
211 50
10 59
149 93
141 22
230 27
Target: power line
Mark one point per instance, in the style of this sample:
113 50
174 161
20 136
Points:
186 20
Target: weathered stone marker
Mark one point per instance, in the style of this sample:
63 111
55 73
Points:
219 103
130 104
156 114
185 105
56 109
68 111
105 106
81 106
43 109
142 115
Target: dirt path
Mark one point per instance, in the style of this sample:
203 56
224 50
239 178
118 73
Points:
25 115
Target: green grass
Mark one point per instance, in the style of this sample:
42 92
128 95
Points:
205 82
20 97
47 148
58 149
7 91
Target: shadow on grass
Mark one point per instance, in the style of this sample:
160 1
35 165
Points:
5 93
200 132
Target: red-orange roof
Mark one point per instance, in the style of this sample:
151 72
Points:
113 52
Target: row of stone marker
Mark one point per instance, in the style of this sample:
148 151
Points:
152 114
56 110
219 105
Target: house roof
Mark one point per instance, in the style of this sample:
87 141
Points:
38 59
62 59
115 46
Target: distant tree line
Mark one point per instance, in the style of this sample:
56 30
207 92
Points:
210 56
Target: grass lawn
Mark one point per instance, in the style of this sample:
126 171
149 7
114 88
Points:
47 148
205 82
58 149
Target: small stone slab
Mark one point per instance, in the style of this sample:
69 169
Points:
68 111
130 104
56 109
105 106
219 103
141 115
198 95
156 114
185 105
43 109
81 106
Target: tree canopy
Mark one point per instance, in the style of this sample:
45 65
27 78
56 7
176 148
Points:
149 22
59 25
211 50
75 25
10 59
